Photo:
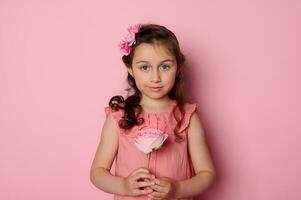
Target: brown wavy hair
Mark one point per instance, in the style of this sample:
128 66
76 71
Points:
150 34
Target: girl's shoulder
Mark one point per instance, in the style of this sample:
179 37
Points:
116 113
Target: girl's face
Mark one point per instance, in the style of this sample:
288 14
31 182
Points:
154 69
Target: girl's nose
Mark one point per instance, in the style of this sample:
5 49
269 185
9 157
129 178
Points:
155 76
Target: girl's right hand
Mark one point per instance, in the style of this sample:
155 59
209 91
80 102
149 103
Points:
138 182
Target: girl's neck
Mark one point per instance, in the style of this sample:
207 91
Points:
156 105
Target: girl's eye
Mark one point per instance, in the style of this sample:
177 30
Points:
144 68
165 67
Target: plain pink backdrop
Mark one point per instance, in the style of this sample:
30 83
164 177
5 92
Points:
59 65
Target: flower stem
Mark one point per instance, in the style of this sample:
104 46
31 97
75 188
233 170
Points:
148 159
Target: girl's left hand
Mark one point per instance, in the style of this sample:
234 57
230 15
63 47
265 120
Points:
164 188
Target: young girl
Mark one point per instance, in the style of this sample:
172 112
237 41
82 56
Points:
155 136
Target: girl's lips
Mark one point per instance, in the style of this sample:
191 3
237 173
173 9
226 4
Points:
155 89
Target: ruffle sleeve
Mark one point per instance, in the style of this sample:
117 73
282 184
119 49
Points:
189 108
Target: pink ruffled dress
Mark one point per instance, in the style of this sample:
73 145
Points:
171 160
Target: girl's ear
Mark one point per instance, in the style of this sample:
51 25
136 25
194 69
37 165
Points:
130 70
179 70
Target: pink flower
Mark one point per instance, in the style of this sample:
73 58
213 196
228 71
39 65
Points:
134 29
125 48
148 140
129 40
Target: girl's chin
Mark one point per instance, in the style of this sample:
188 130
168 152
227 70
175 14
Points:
157 95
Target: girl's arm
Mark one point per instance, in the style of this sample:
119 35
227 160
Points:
201 160
100 174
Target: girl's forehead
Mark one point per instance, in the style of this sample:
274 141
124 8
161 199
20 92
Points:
150 52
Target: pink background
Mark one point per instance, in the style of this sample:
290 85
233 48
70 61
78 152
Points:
59 66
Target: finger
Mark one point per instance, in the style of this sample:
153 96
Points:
154 198
140 169
139 184
142 175
160 182
158 188
156 195
138 192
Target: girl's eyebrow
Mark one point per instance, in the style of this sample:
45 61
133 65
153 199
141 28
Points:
170 60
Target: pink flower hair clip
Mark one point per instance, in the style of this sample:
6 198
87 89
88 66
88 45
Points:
129 40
